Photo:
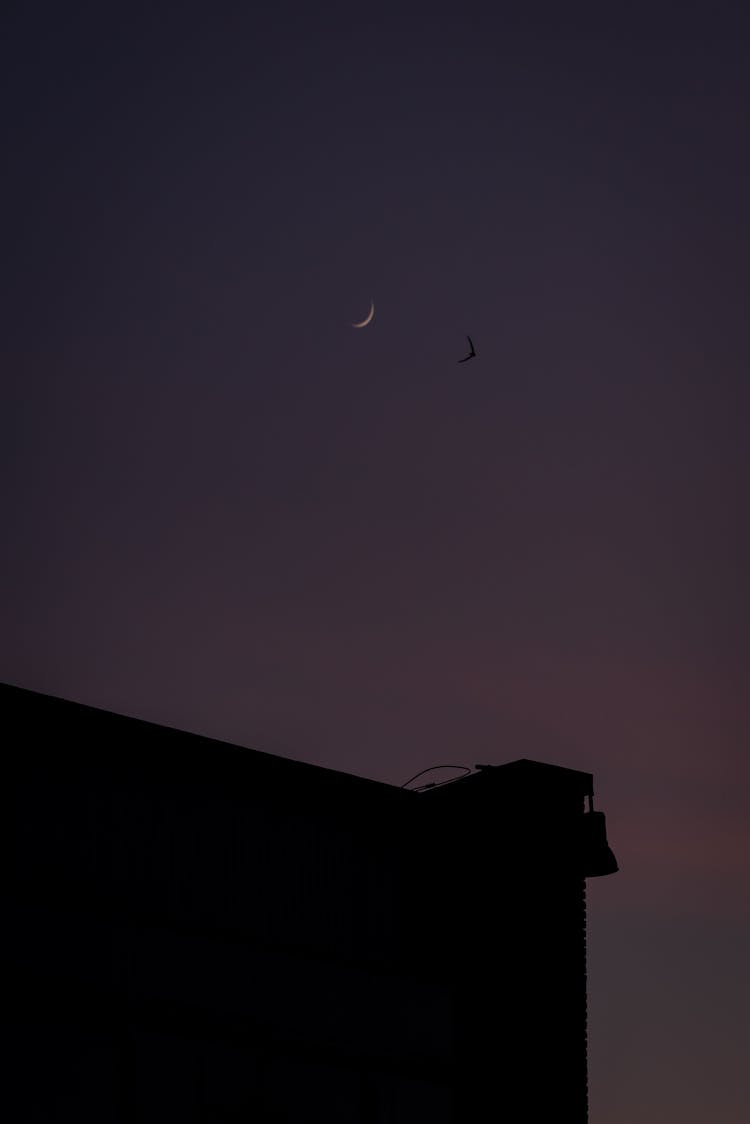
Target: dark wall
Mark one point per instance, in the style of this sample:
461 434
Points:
212 931
509 904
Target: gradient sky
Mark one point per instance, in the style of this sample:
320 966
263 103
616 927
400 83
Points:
227 511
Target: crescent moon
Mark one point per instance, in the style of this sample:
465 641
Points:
368 318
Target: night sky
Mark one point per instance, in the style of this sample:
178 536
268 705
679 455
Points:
227 510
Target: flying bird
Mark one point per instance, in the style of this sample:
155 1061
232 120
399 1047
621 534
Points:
471 354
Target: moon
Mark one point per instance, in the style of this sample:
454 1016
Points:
368 318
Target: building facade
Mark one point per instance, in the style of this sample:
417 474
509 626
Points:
205 933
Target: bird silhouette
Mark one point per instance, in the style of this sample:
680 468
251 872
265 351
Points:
471 354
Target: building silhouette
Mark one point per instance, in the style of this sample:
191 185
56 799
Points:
205 933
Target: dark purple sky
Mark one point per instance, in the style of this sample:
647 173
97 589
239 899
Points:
228 511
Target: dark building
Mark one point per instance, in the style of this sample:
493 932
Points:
201 932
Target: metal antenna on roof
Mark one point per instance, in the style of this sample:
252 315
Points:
434 784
